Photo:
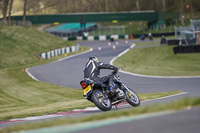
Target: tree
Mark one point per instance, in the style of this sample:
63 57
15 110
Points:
106 5
138 9
1 6
137 5
164 6
181 12
24 14
5 8
10 10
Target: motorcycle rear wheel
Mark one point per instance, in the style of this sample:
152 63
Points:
100 101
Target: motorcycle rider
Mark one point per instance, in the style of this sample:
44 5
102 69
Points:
92 71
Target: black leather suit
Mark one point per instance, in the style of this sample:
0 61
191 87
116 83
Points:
92 71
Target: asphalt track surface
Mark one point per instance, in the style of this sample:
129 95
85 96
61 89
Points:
68 72
184 121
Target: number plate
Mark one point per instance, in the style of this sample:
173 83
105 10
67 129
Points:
87 89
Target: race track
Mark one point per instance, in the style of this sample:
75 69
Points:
68 72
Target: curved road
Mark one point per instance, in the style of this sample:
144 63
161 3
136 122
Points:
68 72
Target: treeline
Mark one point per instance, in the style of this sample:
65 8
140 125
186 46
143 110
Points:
73 6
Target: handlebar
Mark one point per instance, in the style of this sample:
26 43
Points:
115 71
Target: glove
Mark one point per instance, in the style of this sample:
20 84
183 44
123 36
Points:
116 68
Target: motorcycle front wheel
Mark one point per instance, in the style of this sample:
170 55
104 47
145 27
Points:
132 98
102 102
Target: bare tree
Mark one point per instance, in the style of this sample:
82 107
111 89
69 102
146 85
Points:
5 8
1 6
137 5
33 7
106 5
10 10
164 6
118 6
24 14
93 5
181 12
138 9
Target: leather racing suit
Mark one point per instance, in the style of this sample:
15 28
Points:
92 71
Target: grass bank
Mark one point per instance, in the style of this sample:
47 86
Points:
67 101
20 96
177 105
159 61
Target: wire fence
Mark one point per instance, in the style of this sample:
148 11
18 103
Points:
189 35
108 30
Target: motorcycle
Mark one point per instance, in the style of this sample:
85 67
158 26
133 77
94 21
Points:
103 98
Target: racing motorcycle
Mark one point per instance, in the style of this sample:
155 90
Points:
103 98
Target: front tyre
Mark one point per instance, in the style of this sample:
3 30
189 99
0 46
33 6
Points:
100 101
132 98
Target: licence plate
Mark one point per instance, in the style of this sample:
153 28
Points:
87 89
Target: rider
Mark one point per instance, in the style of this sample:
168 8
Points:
92 71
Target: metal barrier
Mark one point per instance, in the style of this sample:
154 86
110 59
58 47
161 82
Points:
52 53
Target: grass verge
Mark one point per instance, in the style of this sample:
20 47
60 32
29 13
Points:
176 105
159 61
68 101
21 96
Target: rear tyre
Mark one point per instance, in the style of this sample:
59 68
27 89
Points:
132 98
100 101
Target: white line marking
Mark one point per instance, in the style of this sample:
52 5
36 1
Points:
146 76
65 58
165 97
125 51
149 76
87 109
36 117
31 75
159 98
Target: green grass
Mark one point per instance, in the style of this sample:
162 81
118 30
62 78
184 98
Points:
147 43
159 61
21 46
177 105
21 96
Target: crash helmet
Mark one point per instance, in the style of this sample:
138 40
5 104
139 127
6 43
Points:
93 58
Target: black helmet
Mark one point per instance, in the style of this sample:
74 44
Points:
93 58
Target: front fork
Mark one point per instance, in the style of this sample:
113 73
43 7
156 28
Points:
124 87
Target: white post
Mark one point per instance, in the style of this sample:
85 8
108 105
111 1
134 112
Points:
67 49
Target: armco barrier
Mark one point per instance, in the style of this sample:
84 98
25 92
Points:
173 41
155 34
187 49
101 37
59 51
116 37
